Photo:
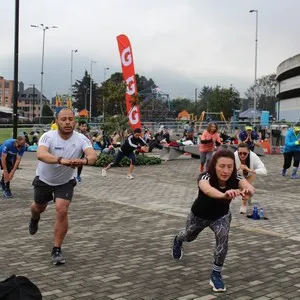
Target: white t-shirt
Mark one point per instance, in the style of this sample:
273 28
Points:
55 174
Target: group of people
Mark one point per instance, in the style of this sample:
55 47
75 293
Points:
224 175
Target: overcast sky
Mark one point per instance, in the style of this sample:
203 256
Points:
180 44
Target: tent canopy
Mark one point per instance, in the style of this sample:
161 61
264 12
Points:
249 114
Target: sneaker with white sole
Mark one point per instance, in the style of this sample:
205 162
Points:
104 173
243 209
130 177
57 257
217 283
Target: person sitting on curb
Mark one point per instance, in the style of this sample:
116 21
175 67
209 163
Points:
249 165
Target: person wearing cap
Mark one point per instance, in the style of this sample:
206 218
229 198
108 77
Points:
292 151
250 137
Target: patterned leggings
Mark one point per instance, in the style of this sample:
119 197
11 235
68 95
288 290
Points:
221 226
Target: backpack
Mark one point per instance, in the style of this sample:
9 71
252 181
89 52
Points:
19 288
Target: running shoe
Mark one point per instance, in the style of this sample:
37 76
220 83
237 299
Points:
177 249
57 257
216 281
104 173
130 177
33 226
7 193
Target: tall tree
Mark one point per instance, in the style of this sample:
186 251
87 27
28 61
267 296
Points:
180 104
47 113
81 92
265 93
111 97
219 99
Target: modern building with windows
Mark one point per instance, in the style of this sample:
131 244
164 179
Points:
288 89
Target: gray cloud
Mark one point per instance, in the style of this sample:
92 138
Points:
180 44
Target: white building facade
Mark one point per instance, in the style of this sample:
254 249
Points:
288 89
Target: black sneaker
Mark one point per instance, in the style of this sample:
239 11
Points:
57 257
33 226
177 249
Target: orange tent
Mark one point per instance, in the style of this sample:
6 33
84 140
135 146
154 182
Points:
184 115
84 113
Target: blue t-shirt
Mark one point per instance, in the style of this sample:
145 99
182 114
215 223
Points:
9 148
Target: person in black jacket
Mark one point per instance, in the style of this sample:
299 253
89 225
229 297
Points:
132 143
216 188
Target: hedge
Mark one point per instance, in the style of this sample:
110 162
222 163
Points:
104 159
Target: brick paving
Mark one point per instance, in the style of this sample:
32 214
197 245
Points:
121 231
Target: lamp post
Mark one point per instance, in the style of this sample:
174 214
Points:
44 28
255 66
85 97
72 53
16 70
91 88
33 96
104 78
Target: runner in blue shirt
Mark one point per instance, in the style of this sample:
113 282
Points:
11 152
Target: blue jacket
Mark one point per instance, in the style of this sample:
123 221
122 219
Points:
290 140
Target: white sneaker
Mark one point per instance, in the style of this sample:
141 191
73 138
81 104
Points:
130 177
243 209
104 173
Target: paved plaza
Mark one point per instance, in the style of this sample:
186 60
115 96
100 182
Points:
121 232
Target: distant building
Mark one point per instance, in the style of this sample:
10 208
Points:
6 92
29 102
288 89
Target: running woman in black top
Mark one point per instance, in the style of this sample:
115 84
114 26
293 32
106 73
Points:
216 188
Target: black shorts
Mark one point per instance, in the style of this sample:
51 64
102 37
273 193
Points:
43 193
9 165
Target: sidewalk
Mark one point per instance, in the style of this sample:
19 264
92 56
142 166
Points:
121 232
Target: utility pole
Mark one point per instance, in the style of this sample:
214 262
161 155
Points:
16 70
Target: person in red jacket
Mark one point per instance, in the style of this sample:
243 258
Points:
209 140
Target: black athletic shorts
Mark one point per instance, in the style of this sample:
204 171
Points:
43 193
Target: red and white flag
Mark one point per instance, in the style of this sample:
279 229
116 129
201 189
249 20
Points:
133 109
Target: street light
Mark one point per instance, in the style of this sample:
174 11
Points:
16 69
44 28
104 78
91 88
196 94
33 96
72 52
255 68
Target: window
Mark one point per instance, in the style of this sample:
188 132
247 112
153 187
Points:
6 84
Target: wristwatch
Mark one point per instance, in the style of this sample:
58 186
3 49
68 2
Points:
59 160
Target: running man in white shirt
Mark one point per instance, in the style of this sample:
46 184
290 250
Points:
59 153
249 165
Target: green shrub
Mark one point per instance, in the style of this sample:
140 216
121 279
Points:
105 159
